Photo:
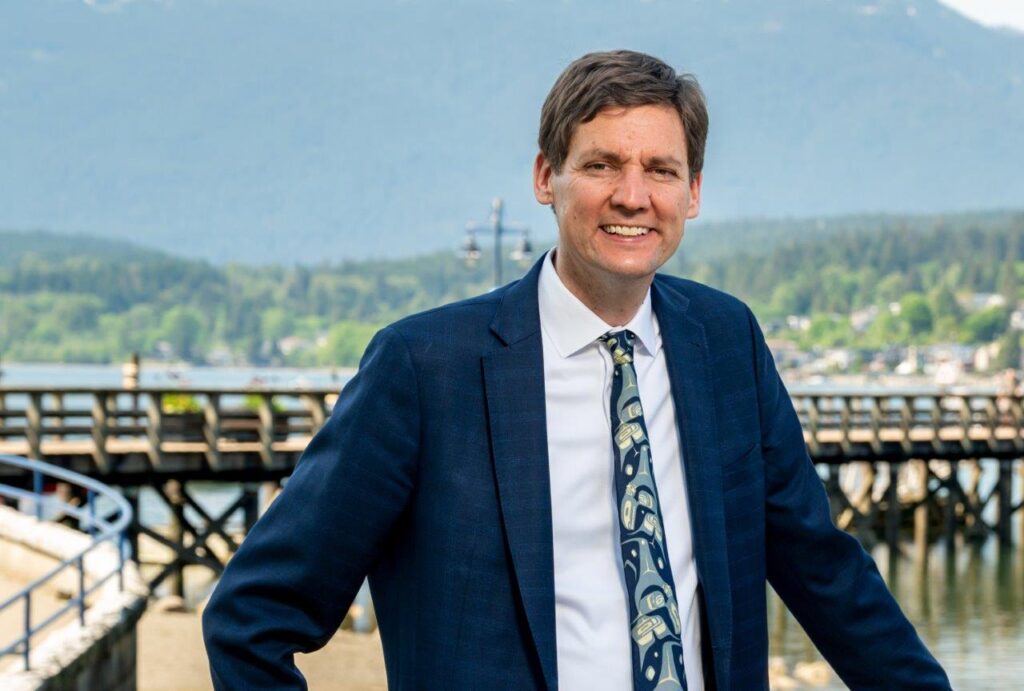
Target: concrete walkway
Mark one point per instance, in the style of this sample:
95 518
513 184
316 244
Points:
12 619
172 658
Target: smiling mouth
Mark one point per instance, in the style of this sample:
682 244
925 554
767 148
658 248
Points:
626 231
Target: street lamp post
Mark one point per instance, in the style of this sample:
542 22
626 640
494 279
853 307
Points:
523 251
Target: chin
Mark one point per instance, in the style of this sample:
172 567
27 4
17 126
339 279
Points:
632 270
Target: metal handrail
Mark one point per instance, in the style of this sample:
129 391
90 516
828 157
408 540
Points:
102 529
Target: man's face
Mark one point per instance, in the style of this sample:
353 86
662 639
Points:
622 196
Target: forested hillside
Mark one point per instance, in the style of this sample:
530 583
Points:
76 299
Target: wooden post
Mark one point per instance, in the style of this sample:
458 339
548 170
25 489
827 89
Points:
813 417
251 507
876 413
155 428
1003 529
844 425
130 372
266 413
177 531
892 515
131 495
972 496
906 423
58 408
952 498
100 411
921 512
936 416
317 411
965 422
34 425
211 430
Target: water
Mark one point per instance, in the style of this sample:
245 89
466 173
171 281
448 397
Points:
968 605
171 376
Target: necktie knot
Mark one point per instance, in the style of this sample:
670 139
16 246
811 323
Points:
620 345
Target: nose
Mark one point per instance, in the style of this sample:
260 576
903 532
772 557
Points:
631 192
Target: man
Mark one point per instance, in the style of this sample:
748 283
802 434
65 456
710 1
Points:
580 480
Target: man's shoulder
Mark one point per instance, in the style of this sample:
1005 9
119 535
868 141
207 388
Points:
465 318
704 302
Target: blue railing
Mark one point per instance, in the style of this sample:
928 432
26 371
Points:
111 528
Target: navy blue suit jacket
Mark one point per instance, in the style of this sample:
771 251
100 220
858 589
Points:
431 477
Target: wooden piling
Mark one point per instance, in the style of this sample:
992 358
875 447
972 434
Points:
892 511
921 512
176 527
1003 527
952 499
251 505
131 495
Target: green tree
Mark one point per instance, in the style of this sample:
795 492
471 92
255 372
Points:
1009 350
346 342
943 303
182 327
914 310
986 325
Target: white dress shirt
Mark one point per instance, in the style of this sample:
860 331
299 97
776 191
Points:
591 609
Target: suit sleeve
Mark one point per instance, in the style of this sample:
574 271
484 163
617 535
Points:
823 575
291 582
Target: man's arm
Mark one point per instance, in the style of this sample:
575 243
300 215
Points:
822 574
295 575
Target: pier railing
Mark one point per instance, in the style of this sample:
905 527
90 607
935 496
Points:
125 432
109 528
840 427
259 433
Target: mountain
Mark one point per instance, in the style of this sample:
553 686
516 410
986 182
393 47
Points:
313 130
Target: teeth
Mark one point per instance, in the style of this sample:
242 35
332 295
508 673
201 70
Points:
630 231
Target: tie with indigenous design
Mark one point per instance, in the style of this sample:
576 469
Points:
655 629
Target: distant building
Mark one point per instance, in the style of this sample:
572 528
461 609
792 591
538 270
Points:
984 357
980 301
798 322
861 319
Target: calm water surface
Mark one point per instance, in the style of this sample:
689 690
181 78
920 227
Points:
966 606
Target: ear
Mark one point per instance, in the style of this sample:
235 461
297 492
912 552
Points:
695 183
542 180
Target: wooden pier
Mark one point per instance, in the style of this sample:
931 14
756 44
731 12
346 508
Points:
941 463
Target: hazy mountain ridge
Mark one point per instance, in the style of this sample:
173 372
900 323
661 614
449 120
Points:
262 132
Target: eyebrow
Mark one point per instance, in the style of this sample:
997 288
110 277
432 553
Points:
612 156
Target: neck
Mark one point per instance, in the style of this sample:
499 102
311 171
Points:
615 299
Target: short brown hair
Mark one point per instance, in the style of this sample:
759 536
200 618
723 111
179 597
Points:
620 78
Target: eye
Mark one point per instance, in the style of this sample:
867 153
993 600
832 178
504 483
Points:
597 166
665 172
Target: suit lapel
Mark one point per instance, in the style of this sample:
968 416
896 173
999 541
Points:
514 384
689 371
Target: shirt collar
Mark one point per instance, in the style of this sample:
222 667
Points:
572 326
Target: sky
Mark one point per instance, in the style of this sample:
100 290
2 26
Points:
991 12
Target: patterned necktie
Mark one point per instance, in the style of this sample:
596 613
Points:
655 629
